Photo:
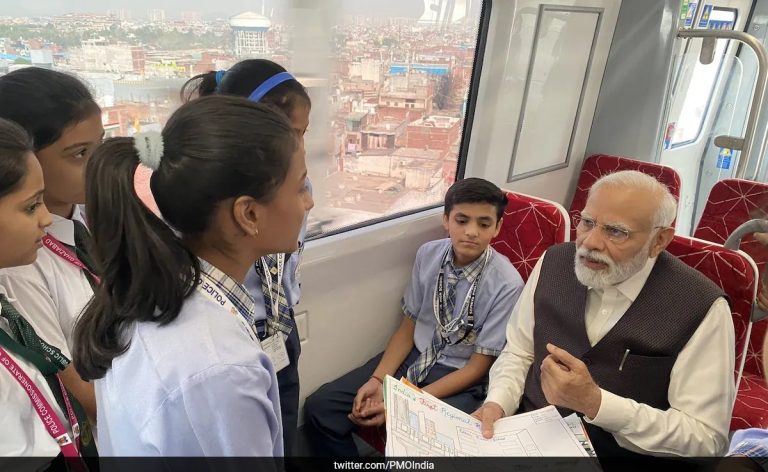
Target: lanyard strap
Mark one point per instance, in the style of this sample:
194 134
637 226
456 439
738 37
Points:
207 287
439 303
58 248
47 415
274 301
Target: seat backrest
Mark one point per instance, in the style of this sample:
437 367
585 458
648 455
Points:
530 226
732 202
598 165
734 272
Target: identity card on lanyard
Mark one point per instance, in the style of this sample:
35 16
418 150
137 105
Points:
439 305
274 345
58 248
206 287
53 424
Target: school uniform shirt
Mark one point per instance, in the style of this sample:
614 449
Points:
23 433
198 386
701 387
752 443
500 285
51 293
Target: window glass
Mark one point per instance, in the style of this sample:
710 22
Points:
388 109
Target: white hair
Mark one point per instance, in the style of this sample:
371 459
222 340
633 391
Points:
667 204
614 273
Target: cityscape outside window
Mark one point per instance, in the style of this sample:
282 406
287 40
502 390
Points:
394 101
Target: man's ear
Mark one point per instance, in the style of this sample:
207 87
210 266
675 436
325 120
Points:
661 241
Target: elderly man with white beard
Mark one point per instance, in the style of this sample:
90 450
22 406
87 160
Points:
621 332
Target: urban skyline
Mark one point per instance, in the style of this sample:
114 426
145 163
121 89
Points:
392 104
209 10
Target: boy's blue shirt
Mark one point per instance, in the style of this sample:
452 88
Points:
497 293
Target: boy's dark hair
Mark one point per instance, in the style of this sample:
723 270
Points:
475 190
15 146
242 79
45 102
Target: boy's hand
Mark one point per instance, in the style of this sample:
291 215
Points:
368 406
372 415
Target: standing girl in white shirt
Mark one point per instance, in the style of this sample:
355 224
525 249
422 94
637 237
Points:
263 81
36 409
64 121
170 336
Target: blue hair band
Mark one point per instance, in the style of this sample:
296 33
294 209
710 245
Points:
268 85
219 76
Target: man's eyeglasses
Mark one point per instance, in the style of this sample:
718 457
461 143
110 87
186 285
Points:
615 233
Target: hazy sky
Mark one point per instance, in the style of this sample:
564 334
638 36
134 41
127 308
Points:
210 8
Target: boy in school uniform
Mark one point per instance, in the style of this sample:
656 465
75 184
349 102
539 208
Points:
455 311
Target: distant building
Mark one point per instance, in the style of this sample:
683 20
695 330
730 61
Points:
96 56
354 124
385 134
415 169
433 132
405 104
42 58
156 15
191 17
82 22
119 14
250 30
367 69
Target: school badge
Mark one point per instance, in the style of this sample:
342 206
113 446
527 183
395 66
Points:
86 433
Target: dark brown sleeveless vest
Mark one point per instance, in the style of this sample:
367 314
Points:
655 328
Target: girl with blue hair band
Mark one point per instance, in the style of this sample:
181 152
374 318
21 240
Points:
273 280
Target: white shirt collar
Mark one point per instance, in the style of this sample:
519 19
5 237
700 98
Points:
63 229
631 287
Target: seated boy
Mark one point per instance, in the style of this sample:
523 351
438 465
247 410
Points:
456 309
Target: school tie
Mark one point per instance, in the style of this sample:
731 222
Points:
26 336
420 369
270 284
82 248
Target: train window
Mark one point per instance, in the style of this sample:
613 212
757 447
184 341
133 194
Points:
392 106
702 84
400 93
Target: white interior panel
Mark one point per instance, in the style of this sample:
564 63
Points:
507 61
564 42
352 284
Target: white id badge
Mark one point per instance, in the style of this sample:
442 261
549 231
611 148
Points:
274 346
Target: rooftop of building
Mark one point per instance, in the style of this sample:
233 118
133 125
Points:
431 154
362 192
436 121
250 19
385 127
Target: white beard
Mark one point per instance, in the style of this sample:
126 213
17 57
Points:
614 274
